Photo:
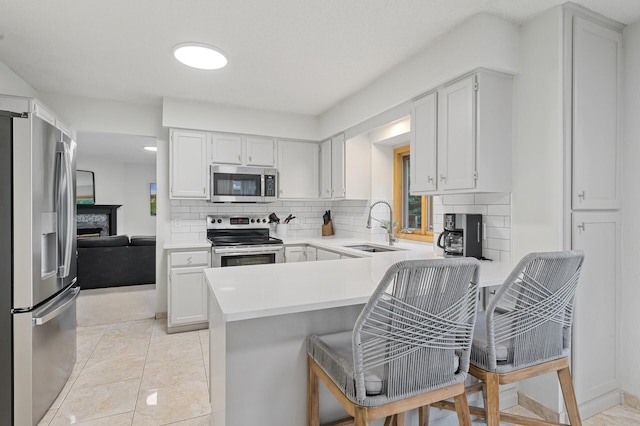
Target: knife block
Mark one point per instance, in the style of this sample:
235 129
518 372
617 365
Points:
327 229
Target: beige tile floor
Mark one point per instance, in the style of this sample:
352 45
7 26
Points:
129 371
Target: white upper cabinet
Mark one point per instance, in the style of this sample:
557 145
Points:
456 135
325 169
189 170
259 151
345 168
338 165
461 137
423 157
242 150
597 56
298 174
226 149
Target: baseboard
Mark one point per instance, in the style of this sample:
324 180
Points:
161 315
598 405
189 327
630 400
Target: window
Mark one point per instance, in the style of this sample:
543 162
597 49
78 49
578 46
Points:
411 212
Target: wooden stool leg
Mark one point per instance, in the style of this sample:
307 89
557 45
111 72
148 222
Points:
564 376
400 419
313 397
423 416
389 421
360 418
462 408
492 399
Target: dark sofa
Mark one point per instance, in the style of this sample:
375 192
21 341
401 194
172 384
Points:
116 260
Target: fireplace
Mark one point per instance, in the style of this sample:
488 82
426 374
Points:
95 220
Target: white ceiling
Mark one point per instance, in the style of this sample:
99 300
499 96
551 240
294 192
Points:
300 56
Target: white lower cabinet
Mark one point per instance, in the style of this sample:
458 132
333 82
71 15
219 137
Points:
187 290
327 255
295 254
596 334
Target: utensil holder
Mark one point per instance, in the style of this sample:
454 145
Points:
282 230
327 229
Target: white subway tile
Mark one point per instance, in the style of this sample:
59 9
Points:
458 199
499 210
473 209
497 221
499 233
496 244
493 198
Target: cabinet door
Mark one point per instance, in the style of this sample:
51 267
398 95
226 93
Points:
596 344
456 135
312 254
325 169
295 254
187 296
188 165
226 149
423 157
260 151
327 255
298 176
597 53
338 183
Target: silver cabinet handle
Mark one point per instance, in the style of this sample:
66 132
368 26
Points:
429 178
443 178
581 227
581 195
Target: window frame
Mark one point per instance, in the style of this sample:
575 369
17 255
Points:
423 234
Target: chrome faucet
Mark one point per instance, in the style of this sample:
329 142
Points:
392 238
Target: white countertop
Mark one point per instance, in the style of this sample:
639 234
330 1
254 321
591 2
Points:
257 291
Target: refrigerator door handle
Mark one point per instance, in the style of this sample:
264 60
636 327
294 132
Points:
66 203
54 311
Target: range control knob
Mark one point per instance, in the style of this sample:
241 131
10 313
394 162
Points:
219 220
253 220
264 220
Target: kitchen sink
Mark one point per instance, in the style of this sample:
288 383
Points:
374 249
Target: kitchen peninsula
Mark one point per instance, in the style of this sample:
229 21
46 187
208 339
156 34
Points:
260 316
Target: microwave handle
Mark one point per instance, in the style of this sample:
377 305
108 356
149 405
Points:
262 185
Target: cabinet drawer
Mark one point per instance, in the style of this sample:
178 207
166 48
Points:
189 258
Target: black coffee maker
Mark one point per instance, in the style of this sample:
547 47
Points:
462 235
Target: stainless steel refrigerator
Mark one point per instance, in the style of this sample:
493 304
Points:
38 288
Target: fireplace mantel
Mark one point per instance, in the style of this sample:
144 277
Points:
109 209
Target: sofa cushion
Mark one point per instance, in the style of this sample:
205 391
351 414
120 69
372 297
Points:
143 240
107 241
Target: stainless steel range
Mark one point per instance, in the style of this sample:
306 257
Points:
242 240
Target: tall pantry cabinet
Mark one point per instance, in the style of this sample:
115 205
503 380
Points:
593 56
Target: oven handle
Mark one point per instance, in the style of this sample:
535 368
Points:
245 250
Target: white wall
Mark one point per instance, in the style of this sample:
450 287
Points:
138 178
126 184
12 84
631 214
189 114
481 41
538 158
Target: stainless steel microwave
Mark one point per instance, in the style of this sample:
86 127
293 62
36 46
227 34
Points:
233 184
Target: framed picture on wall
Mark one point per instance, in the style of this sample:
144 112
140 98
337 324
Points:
153 193
85 187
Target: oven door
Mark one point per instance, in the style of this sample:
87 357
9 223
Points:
247 255
237 184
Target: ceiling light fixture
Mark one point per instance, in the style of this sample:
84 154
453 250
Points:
200 55
151 148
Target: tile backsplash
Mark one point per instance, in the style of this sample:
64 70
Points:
495 209
350 218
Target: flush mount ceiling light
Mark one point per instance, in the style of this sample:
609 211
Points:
151 148
200 55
